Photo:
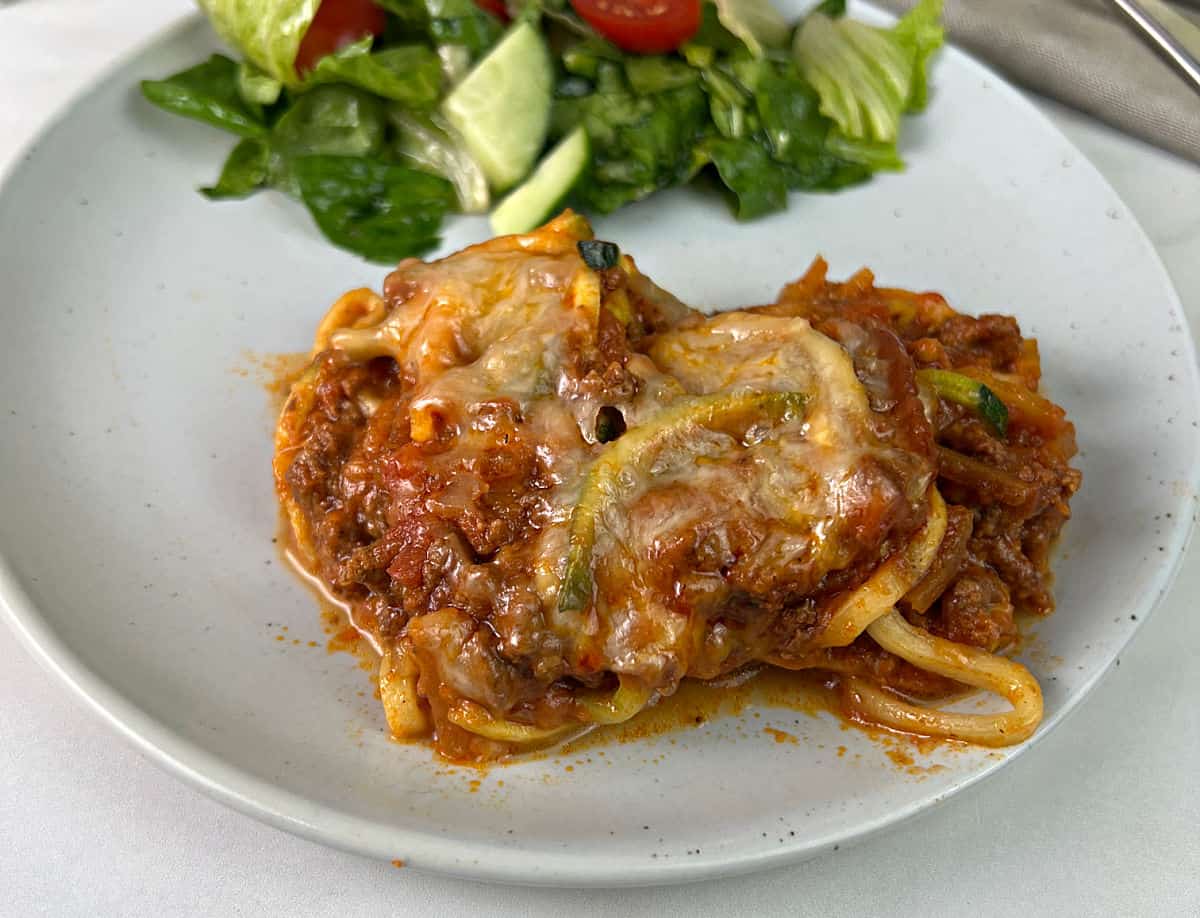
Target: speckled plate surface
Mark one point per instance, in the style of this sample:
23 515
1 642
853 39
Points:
137 513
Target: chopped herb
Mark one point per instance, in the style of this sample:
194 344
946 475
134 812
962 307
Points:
598 255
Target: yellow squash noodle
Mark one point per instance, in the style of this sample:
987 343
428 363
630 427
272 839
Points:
630 697
475 719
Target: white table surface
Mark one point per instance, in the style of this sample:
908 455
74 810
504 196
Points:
1101 819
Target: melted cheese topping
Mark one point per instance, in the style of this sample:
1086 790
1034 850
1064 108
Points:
731 519
801 487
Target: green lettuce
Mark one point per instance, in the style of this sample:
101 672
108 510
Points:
711 39
245 171
447 22
333 120
409 74
640 143
773 137
758 184
208 92
378 210
756 22
267 32
868 77
922 34
648 74
329 121
256 87
799 136
428 142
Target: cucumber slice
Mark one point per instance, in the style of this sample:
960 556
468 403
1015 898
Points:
543 192
502 107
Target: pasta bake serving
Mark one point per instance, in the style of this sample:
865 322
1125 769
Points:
548 492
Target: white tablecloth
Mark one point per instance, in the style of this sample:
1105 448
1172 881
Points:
1101 819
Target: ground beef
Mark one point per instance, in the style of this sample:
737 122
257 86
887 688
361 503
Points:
1019 512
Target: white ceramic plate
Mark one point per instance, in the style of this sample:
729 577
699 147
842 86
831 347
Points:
137 512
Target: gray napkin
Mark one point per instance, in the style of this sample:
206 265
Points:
1083 53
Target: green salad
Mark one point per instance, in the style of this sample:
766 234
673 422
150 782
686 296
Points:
385 116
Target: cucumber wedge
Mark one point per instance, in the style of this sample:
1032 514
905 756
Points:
543 192
502 107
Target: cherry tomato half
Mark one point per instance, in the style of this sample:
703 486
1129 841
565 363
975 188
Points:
642 26
338 23
497 8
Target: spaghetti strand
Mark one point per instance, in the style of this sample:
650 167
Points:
965 664
890 582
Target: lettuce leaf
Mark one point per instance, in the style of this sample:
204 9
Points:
922 34
648 74
329 121
639 143
710 39
798 135
758 184
461 22
267 32
245 171
868 77
447 22
256 87
586 58
875 156
756 22
409 74
428 142
208 92
375 209
333 120
789 111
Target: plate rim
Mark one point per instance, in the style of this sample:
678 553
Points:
296 814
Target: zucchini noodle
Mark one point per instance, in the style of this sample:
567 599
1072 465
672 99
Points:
635 453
